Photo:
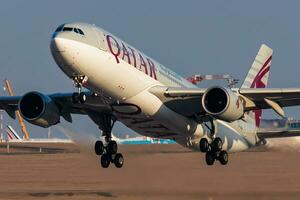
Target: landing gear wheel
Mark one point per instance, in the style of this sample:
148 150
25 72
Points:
210 158
204 145
99 148
82 98
223 157
106 121
119 160
112 147
217 144
105 160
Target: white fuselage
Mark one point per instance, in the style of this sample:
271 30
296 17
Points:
124 75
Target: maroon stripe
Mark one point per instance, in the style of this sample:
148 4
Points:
260 74
10 136
257 83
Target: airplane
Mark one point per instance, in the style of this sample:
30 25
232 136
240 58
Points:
141 140
128 86
14 137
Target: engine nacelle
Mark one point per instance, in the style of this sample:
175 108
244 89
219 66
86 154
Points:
39 109
223 103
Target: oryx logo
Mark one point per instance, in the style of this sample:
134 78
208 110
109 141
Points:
262 75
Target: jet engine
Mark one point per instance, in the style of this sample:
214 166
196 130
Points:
39 109
223 103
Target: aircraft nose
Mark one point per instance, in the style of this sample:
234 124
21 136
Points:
64 54
57 44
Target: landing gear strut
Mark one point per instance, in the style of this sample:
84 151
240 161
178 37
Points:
108 150
213 150
79 96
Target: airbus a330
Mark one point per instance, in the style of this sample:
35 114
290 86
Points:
125 85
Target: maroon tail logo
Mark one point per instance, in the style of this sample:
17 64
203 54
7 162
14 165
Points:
258 83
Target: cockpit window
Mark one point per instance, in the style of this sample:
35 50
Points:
67 29
80 31
59 28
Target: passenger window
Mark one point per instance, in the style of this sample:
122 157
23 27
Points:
76 30
68 29
80 31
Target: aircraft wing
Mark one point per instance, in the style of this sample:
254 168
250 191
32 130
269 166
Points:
10 105
64 103
277 133
187 101
284 97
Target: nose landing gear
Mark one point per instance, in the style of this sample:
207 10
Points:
79 81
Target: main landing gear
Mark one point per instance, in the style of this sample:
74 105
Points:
108 150
109 154
79 81
213 150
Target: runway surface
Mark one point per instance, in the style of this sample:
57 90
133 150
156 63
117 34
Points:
150 172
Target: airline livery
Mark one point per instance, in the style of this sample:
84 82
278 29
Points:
126 85
141 140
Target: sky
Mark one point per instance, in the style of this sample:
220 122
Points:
190 37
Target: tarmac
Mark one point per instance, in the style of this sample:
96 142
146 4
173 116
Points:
149 172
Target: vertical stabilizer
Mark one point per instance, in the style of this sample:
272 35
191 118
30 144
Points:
10 136
258 75
16 136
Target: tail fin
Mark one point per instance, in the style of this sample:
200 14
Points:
16 136
258 75
10 136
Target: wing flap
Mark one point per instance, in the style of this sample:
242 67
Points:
283 97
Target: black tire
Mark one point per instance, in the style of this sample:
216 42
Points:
209 158
105 160
112 147
204 145
75 97
99 147
82 98
223 157
217 144
119 160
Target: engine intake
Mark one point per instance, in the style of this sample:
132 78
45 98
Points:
39 109
223 103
